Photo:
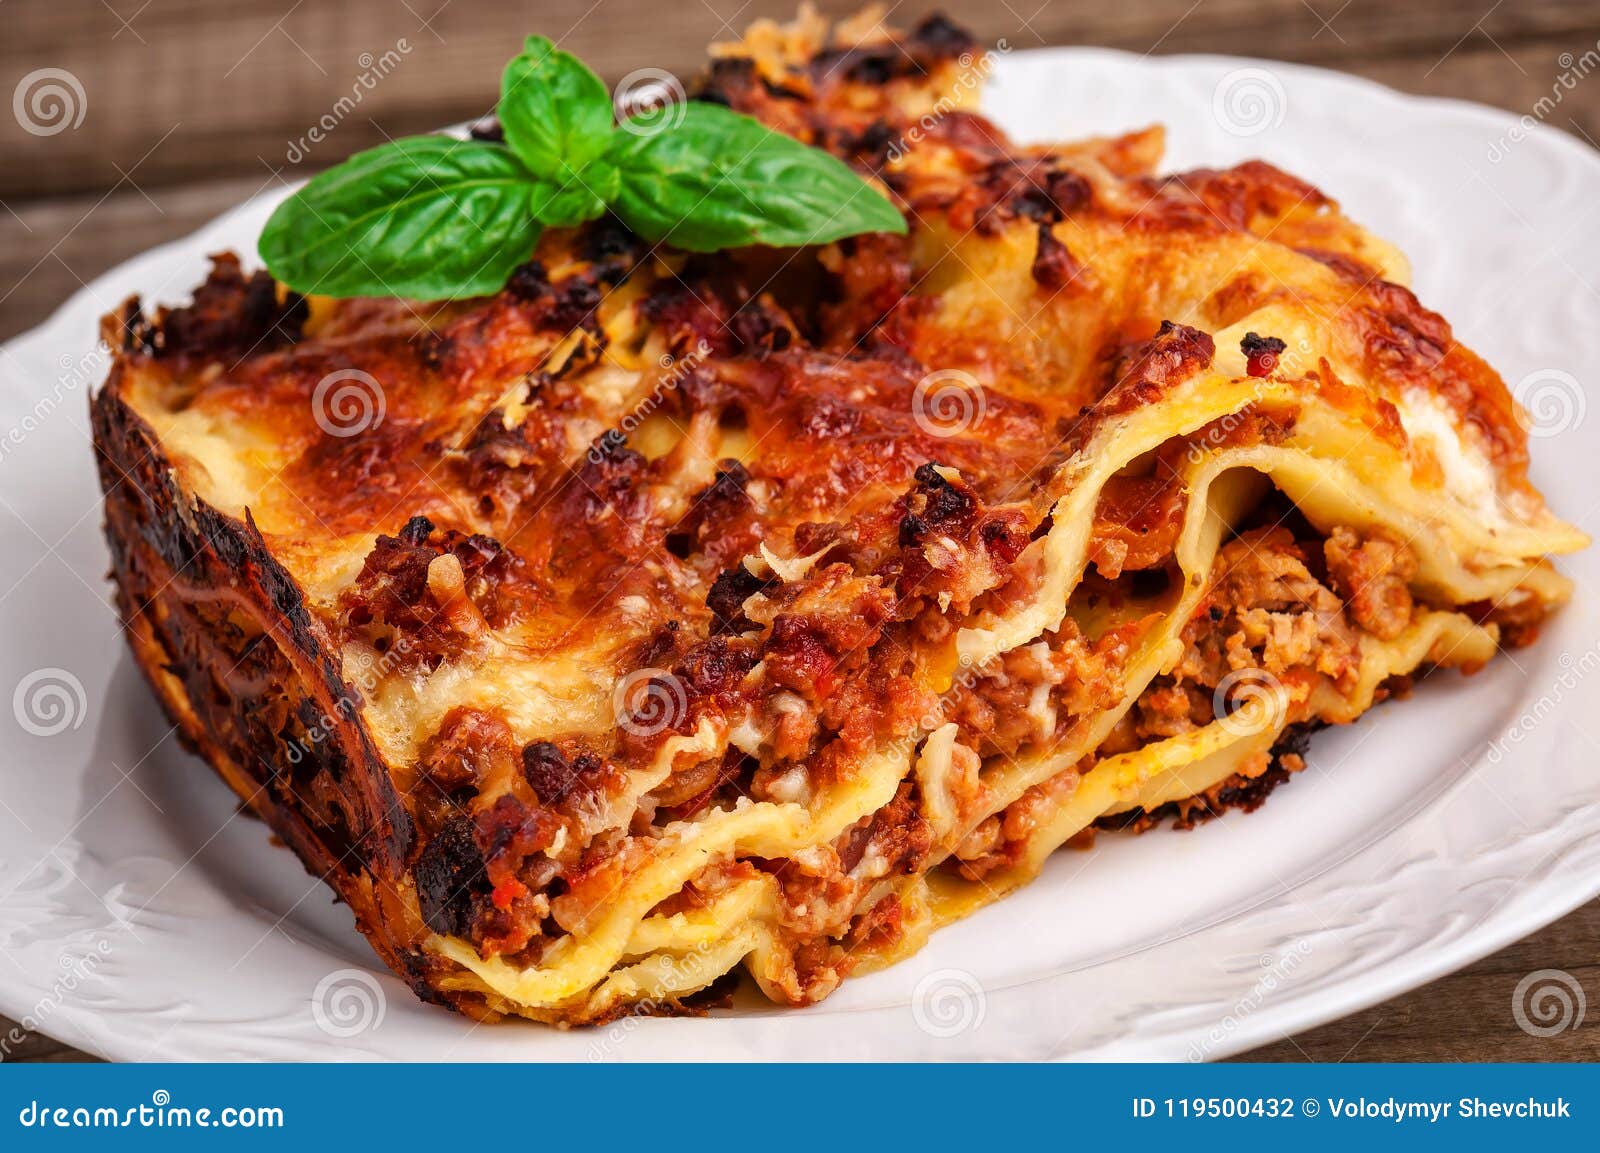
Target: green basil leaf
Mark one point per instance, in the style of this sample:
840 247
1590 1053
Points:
554 111
720 180
575 195
426 217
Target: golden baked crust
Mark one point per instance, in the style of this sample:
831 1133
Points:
664 613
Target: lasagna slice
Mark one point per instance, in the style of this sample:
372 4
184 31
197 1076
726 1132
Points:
668 615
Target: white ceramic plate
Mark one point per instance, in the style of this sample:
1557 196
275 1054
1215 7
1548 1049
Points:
141 918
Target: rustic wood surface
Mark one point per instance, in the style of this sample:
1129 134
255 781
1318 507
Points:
188 106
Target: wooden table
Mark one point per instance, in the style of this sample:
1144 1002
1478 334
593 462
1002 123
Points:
189 107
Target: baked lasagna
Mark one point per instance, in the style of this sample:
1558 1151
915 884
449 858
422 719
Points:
667 616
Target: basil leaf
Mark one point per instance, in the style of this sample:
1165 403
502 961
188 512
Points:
720 180
554 111
575 195
425 217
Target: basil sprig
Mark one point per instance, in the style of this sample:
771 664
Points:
430 217
720 180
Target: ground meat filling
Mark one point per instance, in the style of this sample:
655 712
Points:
1373 574
1283 600
1271 607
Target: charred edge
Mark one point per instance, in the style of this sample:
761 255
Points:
1261 353
1247 794
231 315
934 41
165 545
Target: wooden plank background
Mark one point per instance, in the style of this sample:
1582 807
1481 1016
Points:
188 106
